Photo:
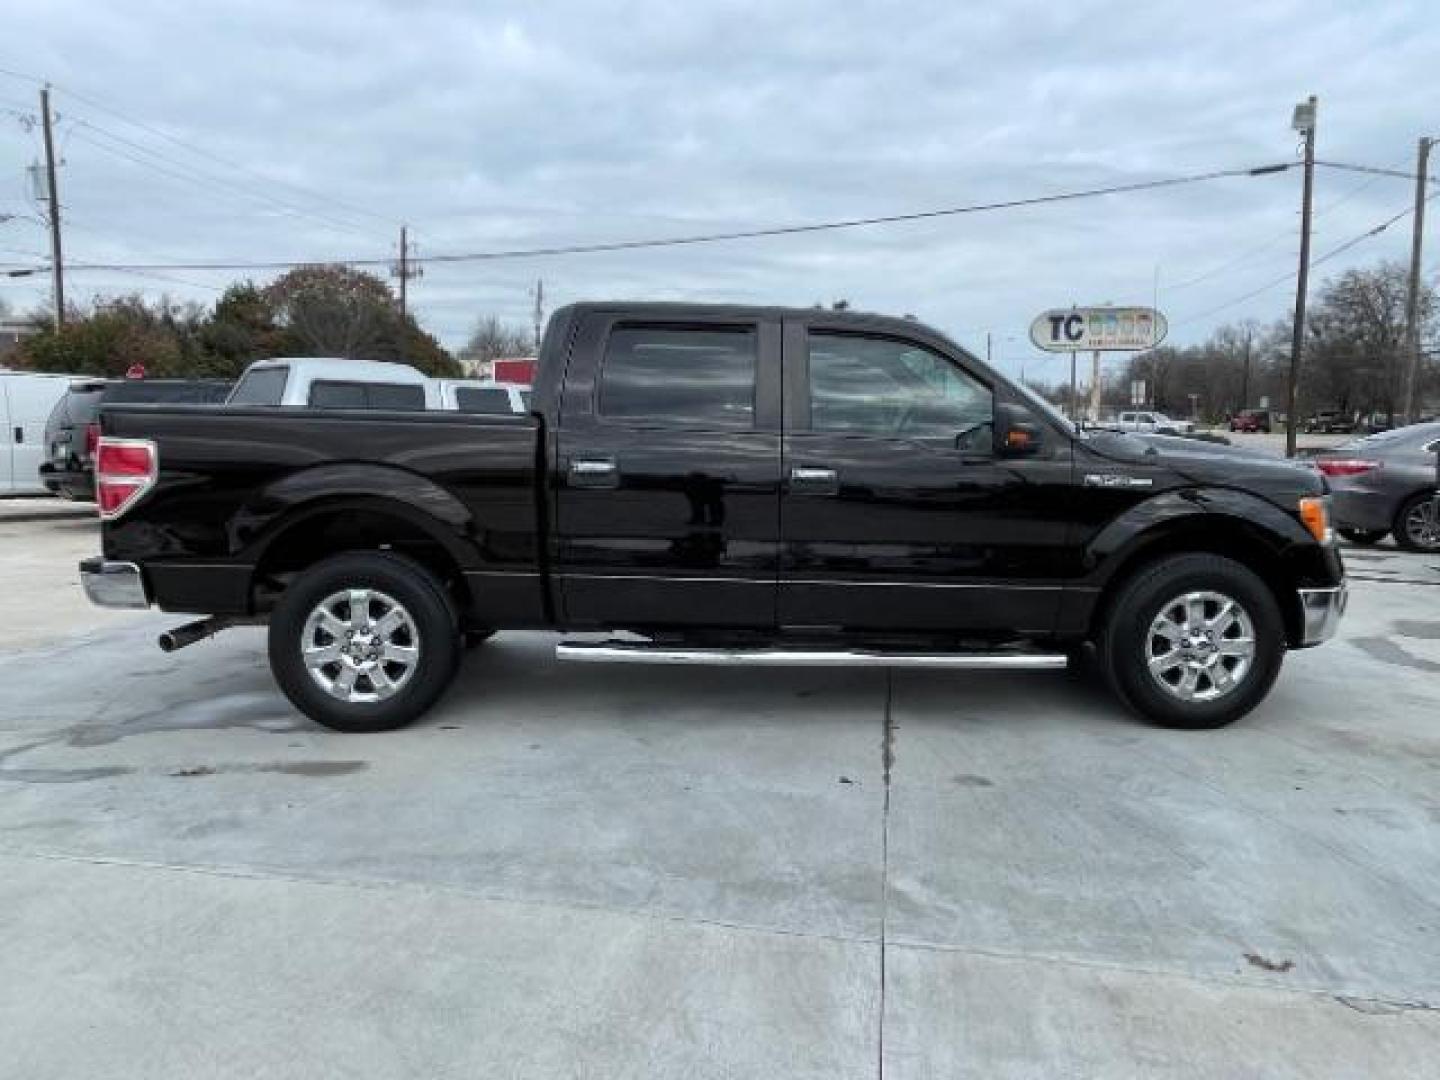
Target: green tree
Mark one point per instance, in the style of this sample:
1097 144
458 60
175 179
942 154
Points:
334 310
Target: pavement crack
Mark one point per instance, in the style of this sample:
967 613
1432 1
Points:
887 760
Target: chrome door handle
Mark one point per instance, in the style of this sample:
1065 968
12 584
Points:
594 473
814 481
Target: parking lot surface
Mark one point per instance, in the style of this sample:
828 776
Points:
576 870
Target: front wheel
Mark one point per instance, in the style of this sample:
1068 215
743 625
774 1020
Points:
1193 641
1417 525
364 642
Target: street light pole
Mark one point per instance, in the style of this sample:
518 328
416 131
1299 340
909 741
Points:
1303 121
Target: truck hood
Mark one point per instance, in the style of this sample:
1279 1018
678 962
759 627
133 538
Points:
1195 461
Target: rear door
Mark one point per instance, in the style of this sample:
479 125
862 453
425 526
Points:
668 461
896 513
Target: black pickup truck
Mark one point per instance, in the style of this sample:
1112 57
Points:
721 485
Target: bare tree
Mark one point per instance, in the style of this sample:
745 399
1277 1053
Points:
493 340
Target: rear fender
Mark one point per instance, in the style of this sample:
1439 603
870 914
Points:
327 489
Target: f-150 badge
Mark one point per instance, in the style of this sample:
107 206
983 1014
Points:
1117 480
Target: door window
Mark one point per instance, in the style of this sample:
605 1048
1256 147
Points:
482 399
895 389
701 378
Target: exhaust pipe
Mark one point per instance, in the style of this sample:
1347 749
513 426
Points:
199 630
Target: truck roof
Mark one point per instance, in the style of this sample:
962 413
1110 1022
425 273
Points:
338 367
670 309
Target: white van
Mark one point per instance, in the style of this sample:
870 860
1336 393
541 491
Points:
333 383
26 401
483 396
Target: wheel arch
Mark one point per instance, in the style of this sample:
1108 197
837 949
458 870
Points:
1246 529
334 524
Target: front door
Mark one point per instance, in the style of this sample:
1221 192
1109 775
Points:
897 514
668 480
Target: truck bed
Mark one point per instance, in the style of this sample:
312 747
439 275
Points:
229 477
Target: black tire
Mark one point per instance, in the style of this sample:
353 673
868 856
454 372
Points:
1364 537
431 622
1126 643
1406 535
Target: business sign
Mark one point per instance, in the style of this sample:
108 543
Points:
1102 329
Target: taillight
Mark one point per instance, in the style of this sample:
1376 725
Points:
92 439
1346 466
125 470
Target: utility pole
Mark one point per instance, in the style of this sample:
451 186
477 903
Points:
987 348
1303 121
1245 381
404 270
1412 299
539 311
57 262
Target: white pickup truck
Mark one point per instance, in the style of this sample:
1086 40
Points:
1154 423
333 383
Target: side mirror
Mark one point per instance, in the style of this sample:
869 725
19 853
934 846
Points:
1017 433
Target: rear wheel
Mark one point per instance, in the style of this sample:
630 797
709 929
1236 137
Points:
1193 641
1364 537
364 642
1417 525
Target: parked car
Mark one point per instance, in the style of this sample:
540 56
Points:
484 396
26 400
1253 420
730 485
1329 422
1154 423
74 425
1385 484
335 383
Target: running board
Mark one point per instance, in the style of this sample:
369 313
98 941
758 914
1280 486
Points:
626 652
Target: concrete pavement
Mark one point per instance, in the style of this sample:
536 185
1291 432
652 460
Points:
574 870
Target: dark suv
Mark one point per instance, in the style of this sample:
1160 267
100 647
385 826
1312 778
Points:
74 425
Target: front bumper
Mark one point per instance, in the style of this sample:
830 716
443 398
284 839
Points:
1321 611
113 584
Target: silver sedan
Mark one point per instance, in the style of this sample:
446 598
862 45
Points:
1387 483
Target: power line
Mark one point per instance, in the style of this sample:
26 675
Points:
1246 256
329 201
185 171
1346 166
745 234
1332 253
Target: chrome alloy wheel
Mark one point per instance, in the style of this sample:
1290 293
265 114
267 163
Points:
1422 524
1201 646
360 645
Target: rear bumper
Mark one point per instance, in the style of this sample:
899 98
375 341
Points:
1321 611
72 483
113 584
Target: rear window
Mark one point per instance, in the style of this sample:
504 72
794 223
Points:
336 394
260 386
482 399
175 392
700 377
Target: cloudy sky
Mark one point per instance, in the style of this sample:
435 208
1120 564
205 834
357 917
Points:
490 126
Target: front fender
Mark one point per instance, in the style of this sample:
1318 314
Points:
325 489
1157 520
